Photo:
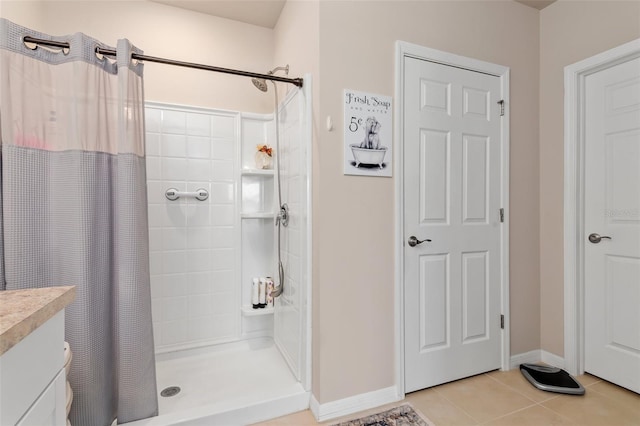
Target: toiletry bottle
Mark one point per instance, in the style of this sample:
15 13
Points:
269 292
262 293
255 293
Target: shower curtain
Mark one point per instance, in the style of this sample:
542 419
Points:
73 210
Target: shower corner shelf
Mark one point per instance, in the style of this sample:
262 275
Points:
248 311
257 172
258 215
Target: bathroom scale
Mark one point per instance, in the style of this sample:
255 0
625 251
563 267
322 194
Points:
551 379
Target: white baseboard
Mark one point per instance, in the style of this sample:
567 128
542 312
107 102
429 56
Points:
525 358
353 404
552 359
538 355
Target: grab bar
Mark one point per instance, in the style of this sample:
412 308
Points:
173 194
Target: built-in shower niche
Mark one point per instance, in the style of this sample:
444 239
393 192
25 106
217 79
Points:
257 213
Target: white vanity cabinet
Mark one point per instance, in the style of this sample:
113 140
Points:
32 376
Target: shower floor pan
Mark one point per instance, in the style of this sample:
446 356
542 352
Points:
239 384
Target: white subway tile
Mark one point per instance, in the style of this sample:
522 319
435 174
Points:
222 259
156 286
156 309
173 145
198 214
155 193
174 169
199 169
223 126
174 239
199 260
222 281
153 168
198 238
201 329
200 282
174 215
223 237
155 239
222 170
225 303
222 215
174 262
200 305
198 124
223 149
198 147
174 308
157 330
223 325
174 332
174 122
174 285
155 263
222 193
152 144
154 215
153 119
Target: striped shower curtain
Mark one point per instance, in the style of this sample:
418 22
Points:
73 210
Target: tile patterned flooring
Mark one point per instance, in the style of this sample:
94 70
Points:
506 398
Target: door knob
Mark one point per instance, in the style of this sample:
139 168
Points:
596 238
413 241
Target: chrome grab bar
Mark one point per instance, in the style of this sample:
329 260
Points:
173 194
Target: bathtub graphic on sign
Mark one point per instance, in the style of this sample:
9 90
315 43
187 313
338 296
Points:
367 134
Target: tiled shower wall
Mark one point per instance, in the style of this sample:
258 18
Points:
193 244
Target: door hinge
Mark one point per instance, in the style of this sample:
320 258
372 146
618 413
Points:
502 215
501 103
502 322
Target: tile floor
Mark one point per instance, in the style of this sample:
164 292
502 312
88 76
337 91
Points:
506 398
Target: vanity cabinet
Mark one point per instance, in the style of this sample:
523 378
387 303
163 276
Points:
32 376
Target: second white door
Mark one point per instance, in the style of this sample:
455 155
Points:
451 196
612 224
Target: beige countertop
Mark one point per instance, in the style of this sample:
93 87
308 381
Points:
22 311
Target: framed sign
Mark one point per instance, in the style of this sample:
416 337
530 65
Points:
367 134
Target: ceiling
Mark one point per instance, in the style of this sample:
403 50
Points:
537 4
265 13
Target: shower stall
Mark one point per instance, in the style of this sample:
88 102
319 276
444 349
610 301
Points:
213 217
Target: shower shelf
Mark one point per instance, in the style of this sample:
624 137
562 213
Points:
257 172
259 215
248 311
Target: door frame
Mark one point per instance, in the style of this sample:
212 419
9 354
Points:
574 244
405 49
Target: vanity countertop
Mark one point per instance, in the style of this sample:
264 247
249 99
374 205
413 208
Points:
22 311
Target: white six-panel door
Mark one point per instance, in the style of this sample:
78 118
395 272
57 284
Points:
612 210
451 133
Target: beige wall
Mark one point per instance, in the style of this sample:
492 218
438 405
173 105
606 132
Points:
168 32
28 12
354 328
569 32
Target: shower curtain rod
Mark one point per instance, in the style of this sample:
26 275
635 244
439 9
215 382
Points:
110 52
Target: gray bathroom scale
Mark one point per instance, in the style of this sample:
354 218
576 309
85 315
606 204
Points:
551 379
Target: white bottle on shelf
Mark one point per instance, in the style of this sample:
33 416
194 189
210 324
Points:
262 293
255 293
